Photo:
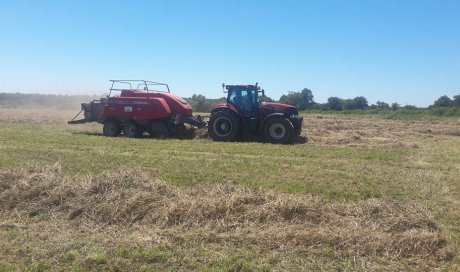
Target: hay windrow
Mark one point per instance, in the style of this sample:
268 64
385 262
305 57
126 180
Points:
374 131
229 213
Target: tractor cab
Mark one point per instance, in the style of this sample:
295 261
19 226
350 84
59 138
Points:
245 98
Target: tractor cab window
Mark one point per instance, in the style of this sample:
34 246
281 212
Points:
232 97
241 99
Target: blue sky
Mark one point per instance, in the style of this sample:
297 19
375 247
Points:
395 51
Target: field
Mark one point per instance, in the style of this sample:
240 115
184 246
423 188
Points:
358 193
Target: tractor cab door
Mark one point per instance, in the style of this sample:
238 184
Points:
245 100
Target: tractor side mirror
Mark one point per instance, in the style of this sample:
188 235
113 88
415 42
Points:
223 87
263 92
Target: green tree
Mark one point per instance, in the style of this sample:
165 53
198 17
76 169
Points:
361 102
349 104
264 98
443 101
395 106
302 100
410 107
456 101
382 105
199 102
335 103
307 98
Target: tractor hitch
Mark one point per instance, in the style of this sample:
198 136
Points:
195 121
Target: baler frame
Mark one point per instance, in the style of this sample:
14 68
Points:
140 82
132 111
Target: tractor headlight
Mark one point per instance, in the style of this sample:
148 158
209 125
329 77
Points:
294 116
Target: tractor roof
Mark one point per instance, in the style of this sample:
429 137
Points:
250 87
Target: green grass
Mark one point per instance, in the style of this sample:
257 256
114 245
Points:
428 174
178 257
337 172
334 172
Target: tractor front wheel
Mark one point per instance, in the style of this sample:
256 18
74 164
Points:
132 130
224 126
111 129
279 131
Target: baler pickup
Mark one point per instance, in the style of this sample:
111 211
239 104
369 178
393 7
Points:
92 112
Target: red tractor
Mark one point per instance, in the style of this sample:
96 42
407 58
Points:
244 112
140 106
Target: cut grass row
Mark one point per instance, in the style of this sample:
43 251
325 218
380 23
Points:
77 221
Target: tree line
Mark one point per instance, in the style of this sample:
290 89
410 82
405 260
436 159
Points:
303 100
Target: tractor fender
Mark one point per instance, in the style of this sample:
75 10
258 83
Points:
229 107
269 117
223 109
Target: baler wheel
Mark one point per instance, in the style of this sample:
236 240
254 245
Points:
132 130
111 129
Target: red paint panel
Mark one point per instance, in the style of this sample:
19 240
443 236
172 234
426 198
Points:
175 103
137 108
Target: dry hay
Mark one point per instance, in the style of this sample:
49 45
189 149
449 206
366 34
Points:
227 213
375 131
201 133
39 116
368 131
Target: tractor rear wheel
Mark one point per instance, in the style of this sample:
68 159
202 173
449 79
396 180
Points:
132 130
111 129
279 131
224 126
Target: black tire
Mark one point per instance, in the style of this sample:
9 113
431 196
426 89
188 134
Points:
111 129
279 131
159 129
224 126
133 130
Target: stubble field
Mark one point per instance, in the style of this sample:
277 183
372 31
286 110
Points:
361 194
